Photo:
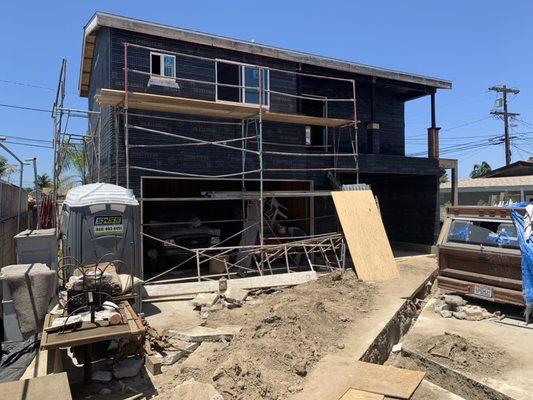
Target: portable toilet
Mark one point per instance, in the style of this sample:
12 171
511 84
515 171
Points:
100 223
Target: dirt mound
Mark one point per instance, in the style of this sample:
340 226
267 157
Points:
284 333
470 355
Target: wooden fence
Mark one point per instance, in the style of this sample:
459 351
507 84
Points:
9 197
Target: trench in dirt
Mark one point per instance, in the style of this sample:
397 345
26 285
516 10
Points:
453 381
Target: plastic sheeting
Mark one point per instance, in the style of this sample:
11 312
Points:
16 356
526 248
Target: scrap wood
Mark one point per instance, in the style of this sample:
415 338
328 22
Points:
38 388
365 235
353 394
389 381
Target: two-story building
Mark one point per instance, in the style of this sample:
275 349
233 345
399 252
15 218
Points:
198 124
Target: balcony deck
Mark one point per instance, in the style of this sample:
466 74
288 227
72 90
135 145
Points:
181 105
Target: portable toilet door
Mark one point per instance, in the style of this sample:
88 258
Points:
104 226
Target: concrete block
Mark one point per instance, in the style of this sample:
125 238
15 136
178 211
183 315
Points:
128 367
454 301
206 334
397 348
235 295
205 300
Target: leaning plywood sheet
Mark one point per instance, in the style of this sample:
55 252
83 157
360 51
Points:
365 235
389 381
49 387
354 394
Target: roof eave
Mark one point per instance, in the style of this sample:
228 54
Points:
149 28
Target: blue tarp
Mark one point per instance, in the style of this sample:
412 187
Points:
526 247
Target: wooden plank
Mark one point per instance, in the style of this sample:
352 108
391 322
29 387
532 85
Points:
365 235
182 105
387 380
354 394
254 282
49 387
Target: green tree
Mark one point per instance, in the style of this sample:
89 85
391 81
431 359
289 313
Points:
480 169
44 181
444 177
3 166
74 158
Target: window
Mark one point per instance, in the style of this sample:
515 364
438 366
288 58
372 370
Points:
315 136
486 233
244 81
163 64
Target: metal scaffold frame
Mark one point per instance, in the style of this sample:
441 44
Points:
330 247
63 139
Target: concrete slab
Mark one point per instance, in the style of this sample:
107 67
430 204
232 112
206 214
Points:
175 315
515 380
206 334
330 378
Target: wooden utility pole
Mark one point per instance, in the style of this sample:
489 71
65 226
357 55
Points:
506 114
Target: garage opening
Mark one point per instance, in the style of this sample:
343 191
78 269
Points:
180 215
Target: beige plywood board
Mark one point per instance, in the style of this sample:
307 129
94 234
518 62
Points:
365 235
389 381
49 387
354 394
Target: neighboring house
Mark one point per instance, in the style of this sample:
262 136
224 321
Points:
490 191
194 124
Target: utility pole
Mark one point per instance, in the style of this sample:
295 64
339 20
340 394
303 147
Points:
506 114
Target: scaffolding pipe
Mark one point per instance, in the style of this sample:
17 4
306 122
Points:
126 123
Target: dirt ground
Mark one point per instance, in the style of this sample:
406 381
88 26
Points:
468 355
284 333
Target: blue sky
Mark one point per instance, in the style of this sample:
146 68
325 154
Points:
475 44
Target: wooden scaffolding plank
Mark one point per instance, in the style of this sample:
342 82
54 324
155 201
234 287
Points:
354 394
181 105
365 235
387 380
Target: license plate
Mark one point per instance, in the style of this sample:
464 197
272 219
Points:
483 291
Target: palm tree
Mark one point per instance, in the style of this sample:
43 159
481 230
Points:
74 157
480 169
44 181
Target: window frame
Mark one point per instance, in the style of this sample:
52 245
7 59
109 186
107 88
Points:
162 64
242 89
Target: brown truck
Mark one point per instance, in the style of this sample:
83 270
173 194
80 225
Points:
479 255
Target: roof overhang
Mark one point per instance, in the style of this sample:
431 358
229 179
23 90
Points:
113 21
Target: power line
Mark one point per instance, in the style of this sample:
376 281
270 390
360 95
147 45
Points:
26 108
28 144
31 85
454 127
27 138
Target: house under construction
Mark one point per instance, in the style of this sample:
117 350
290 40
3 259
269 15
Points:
233 148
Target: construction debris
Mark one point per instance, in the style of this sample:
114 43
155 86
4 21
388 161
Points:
205 300
449 306
128 367
205 334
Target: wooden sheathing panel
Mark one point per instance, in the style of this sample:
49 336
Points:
353 394
386 380
190 106
365 235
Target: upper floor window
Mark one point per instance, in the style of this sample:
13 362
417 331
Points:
240 83
163 64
